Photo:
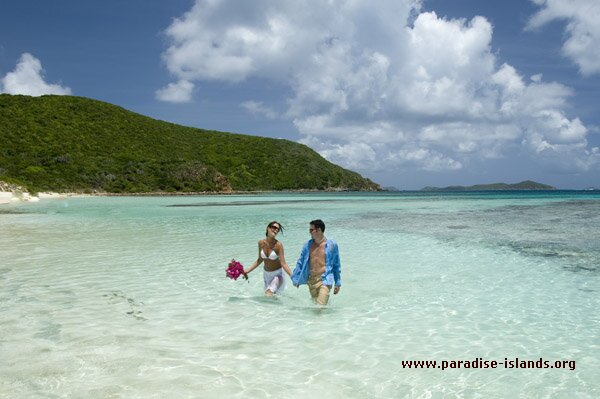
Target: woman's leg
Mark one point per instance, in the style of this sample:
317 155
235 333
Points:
273 285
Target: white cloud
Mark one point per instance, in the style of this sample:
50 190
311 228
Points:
582 42
258 108
229 41
537 78
563 157
28 79
482 140
381 87
180 92
426 159
353 155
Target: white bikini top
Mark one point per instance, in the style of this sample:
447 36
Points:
272 256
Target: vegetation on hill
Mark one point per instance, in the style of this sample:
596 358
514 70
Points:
74 144
524 185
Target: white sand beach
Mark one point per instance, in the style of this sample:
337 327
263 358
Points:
5 197
10 192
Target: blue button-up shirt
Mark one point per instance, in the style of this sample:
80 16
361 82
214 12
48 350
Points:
332 265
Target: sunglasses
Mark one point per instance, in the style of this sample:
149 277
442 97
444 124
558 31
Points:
274 228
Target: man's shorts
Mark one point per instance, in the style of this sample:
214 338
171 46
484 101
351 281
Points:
318 291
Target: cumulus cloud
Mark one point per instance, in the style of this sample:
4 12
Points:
258 108
582 43
28 79
381 87
353 155
179 92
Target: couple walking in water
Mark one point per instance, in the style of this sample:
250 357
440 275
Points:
318 265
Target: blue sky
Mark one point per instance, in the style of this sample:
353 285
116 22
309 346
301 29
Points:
409 93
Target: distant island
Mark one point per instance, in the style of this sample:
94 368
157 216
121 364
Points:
76 144
524 185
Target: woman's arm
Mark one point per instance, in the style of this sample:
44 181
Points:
256 263
283 262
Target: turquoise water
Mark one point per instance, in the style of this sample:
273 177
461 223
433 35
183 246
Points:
127 297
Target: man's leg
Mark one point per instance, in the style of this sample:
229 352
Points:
323 295
314 284
318 292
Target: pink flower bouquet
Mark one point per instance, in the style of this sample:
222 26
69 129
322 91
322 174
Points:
235 270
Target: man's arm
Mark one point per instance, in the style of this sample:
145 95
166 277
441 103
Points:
337 270
298 269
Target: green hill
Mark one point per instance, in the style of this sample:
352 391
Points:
74 144
524 185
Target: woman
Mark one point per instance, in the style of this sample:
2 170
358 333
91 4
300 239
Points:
270 251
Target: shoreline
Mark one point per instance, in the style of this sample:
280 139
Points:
7 197
234 192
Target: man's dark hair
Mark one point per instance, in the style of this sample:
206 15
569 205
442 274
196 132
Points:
318 225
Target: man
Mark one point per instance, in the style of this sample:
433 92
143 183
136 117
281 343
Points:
319 265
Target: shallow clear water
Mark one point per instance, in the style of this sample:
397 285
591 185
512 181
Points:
127 297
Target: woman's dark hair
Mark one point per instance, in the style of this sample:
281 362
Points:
318 225
274 222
